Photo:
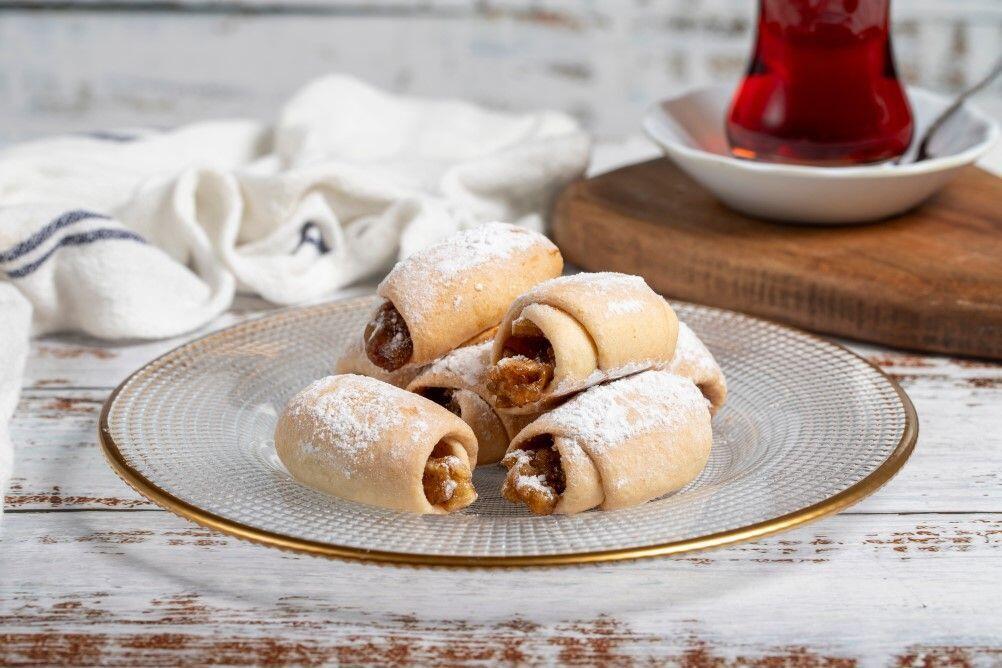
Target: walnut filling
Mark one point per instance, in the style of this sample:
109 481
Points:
388 342
443 396
523 372
535 476
447 481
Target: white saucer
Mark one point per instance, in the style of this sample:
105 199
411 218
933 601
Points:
690 129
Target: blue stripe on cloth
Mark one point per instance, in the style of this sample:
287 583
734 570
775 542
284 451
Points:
79 239
39 237
108 135
306 236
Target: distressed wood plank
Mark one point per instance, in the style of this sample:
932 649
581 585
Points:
158 589
58 463
65 361
957 402
603 61
957 465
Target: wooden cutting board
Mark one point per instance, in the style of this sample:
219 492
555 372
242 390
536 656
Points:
929 280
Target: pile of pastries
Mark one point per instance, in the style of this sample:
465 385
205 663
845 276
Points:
587 388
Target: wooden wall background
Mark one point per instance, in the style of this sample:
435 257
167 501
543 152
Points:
91 64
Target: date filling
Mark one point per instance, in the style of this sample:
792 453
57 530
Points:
444 397
523 372
388 342
535 476
447 480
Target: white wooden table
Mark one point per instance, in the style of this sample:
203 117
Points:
92 572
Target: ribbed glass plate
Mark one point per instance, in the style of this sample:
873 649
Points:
808 428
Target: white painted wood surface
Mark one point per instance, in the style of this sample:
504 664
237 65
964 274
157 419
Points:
129 588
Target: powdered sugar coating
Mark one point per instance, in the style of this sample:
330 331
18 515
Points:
611 296
351 415
419 429
601 284
690 353
476 410
516 460
468 364
439 267
565 385
621 306
609 414
534 482
452 461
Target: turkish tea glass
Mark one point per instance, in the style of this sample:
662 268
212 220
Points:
822 87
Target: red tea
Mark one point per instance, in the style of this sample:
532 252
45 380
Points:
821 87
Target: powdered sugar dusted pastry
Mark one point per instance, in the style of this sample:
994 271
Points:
573 332
448 294
361 439
458 382
354 360
692 360
613 446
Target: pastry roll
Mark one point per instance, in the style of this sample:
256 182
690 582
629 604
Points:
448 294
613 446
361 439
354 360
458 382
693 361
573 332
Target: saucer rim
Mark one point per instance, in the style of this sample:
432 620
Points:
654 126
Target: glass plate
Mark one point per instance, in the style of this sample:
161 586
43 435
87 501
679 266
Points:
808 429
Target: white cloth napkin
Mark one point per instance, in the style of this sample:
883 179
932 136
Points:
149 234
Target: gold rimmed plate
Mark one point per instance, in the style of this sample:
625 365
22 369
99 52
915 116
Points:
809 428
